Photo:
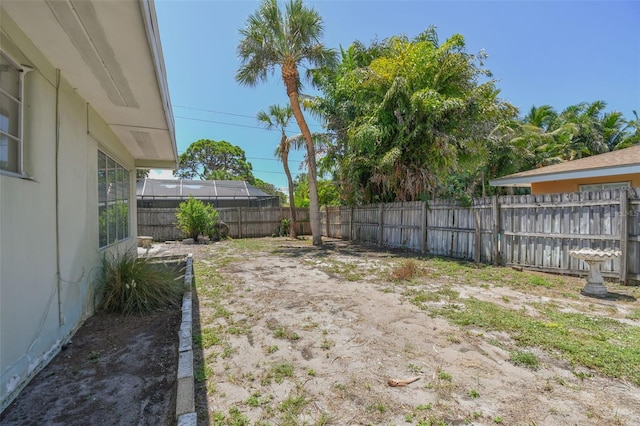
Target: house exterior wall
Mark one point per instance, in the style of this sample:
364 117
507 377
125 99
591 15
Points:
49 223
573 185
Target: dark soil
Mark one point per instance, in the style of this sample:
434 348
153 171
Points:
117 370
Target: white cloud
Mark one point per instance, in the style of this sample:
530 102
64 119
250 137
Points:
161 174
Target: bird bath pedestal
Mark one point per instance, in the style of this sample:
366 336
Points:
595 283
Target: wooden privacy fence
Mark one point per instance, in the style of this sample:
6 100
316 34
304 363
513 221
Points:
532 231
538 231
261 222
159 223
391 224
243 222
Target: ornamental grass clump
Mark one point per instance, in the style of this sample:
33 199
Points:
133 285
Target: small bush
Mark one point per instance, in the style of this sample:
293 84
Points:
525 359
196 218
284 227
406 271
219 232
131 285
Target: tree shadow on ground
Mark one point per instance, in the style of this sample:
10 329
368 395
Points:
343 247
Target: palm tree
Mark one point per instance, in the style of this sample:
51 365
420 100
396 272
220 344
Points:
278 117
613 128
541 117
287 40
631 132
589 138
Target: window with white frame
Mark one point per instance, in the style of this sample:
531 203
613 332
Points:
603 186
113 200
11 78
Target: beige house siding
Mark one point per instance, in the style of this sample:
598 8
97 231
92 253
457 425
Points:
49 254
573 185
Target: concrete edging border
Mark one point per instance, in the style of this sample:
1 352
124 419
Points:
185 396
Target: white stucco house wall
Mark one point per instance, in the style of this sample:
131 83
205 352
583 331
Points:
83 103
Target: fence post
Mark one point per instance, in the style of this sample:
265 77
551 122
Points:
624 234
495 209
239 223
477 247
423 228
351 224
326 215
380 224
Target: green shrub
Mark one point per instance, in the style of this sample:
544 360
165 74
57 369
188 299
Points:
284 227
525 359
128 284
196 217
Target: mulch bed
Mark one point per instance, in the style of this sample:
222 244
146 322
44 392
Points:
116 370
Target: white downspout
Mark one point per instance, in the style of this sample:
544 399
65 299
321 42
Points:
57 195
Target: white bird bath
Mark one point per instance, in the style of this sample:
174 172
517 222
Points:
594 258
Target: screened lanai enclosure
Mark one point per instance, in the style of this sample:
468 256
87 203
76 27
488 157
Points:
158 201
169 193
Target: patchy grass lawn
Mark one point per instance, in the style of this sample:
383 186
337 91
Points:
293 334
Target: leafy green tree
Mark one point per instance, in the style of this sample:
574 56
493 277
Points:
196 218
142 174
631 133
544 136
273 38
580 130
541 117
278 117
328 193
408 114
613 129
214 160
588 138
301 189
270 189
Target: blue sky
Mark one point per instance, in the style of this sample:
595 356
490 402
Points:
541 52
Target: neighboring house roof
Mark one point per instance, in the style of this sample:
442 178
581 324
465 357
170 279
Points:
179 189
110 52
620 162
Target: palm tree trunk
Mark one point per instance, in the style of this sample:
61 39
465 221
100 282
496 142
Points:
290 77
284 148
314 206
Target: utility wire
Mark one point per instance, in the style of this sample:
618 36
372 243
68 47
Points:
233 115
277 173
226 124
215 112
291 160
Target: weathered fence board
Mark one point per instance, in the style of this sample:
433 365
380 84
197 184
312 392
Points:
243 222
538 230
160 224
532 231
336 221
451 230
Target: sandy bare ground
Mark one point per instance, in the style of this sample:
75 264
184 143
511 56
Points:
292 334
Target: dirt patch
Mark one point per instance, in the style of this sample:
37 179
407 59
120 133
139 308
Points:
117 370
293 334
290 334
